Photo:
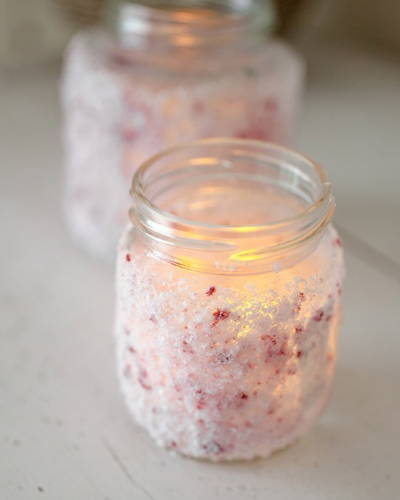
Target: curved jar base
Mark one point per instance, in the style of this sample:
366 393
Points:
203 446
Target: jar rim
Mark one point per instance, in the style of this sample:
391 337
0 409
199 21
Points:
185 25
137 187
303 227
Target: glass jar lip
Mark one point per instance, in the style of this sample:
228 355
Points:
138 188
227 249
187 25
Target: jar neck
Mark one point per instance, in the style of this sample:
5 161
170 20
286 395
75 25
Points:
187 29
213 246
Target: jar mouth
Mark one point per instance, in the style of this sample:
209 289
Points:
180 24
251 246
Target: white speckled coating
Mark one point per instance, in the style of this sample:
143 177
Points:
224 367
117 116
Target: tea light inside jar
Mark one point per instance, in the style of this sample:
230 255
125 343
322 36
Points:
230 365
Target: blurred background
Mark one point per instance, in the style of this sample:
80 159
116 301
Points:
349 117
33 32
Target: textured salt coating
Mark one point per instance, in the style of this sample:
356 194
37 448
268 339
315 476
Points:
117 115
221 367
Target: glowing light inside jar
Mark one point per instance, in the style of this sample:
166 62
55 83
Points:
238 364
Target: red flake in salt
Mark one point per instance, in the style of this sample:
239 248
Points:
187 347
131 349
201 402
277 371
270 412
129 134
337 242
220 448
122 60
301 298
254 131
213 447
299 354
224 357
219 315
128 257
270 105
142 379
271 338
198 107
318 316
172 444
298 329
211 290
243 395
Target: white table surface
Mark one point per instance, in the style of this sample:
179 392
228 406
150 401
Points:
64 431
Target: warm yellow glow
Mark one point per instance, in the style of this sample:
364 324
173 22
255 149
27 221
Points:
244 331
201 204
246 229
290 385
184 40
203 161
190 263
246 255
244 310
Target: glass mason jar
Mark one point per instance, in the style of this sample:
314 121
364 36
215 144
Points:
229 279
160 77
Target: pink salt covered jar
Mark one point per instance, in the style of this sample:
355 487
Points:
153 77
229 281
